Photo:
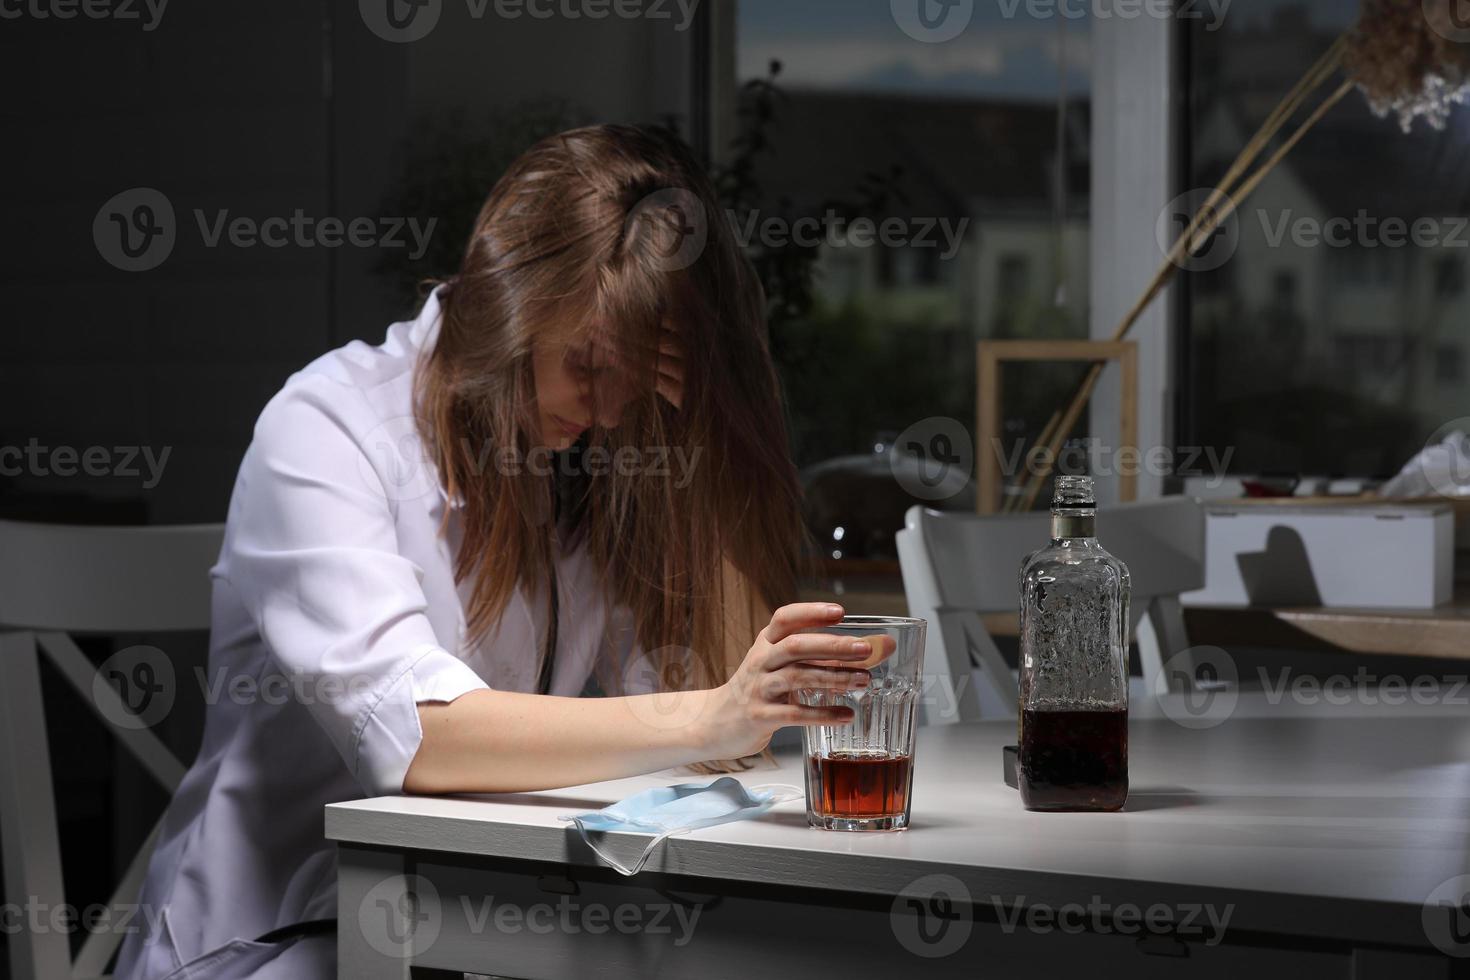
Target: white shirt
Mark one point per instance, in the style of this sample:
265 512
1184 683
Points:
335 611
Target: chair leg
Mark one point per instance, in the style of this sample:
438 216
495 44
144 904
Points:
32 852
1151 654
1162 640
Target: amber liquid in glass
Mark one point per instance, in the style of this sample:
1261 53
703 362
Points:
859 784
1074 760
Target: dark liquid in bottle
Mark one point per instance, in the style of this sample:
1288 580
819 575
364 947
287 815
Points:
1074 760
859 784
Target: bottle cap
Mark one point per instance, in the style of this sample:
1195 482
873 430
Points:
1074 491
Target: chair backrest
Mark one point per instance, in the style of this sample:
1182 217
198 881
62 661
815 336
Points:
977 558
56 580
958 567
106 579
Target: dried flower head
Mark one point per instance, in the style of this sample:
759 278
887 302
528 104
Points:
1411 58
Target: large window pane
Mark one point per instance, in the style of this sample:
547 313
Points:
974 150
1332 340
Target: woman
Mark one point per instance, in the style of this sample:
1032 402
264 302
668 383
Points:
437 544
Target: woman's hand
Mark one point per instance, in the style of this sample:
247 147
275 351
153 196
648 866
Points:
759 698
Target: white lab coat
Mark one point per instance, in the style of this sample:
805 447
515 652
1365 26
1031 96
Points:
335 612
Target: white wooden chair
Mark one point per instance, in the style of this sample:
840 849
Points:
958 567
58 580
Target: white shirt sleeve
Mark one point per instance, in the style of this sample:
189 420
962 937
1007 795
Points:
312 551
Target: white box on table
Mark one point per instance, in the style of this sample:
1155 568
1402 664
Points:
1395 556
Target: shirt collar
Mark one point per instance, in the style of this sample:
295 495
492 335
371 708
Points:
421 335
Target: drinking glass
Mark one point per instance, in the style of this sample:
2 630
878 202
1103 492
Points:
859 776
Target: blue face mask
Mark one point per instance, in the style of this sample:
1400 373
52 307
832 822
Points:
668 810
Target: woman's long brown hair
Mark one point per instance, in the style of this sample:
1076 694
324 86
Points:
599 236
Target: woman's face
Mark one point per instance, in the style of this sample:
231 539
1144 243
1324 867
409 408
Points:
577 388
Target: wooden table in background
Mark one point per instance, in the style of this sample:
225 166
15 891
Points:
876 588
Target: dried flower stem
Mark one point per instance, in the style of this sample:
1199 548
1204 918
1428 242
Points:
1201 225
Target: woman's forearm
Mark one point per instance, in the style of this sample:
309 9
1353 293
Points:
502 742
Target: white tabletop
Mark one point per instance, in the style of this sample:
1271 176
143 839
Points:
1307 821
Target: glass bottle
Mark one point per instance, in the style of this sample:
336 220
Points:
1074 663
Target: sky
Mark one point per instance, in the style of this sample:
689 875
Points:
1003 52
857 45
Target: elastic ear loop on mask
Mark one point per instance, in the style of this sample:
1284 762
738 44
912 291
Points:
779 793
613 862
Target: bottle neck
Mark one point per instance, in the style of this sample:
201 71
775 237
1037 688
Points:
1073 522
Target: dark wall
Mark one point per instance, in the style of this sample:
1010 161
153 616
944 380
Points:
255 111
